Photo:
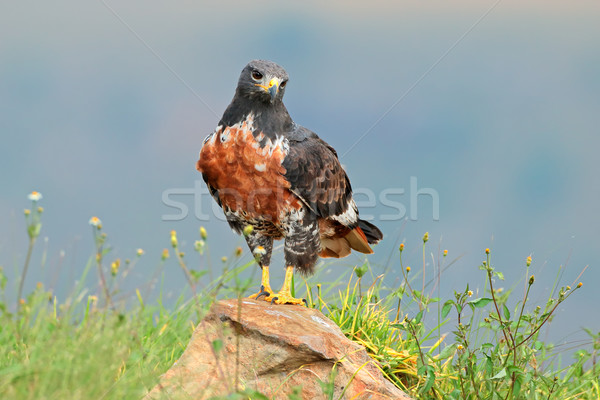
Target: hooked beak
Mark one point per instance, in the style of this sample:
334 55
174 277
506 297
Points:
272 89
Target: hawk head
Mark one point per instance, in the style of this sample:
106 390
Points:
262 80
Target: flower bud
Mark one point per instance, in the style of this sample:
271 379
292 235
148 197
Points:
248 229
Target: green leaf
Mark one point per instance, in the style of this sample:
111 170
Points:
360 271
418 317
217 345
506 312
296 393
486 346
481 302
447 352
429 372
489 365
500 374
518 373
500 275
251 394
3 279
446 308
196 275
517 387
513 369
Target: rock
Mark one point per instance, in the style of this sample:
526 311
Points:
272 349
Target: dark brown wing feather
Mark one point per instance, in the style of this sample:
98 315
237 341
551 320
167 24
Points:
316 175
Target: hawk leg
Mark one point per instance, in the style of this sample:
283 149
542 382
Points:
265 287
285 294
261 247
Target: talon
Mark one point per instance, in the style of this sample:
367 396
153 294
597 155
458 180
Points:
262 293
273 300
305 302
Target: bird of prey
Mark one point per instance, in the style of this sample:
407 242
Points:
275 179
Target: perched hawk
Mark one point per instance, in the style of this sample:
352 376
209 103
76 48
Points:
267 172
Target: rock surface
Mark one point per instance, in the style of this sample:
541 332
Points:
275 348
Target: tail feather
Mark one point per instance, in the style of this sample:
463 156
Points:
357 239
372 232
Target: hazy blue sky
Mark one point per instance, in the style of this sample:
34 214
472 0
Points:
104 110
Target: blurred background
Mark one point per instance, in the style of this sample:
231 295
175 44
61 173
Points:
490 107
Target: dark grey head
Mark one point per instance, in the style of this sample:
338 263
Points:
262 80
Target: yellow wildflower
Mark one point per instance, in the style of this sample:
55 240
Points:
114 267
203 233
173 239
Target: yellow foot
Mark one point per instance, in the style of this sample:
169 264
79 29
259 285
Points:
285 298
264 291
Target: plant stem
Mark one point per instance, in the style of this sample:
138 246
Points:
24 274
423 287
540 325
521 315
103 280
186 271
494 300
412 293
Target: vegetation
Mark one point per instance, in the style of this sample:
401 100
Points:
96 346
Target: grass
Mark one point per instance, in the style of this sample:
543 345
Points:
95 346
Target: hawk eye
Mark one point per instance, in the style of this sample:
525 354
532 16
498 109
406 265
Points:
257 76
283 84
